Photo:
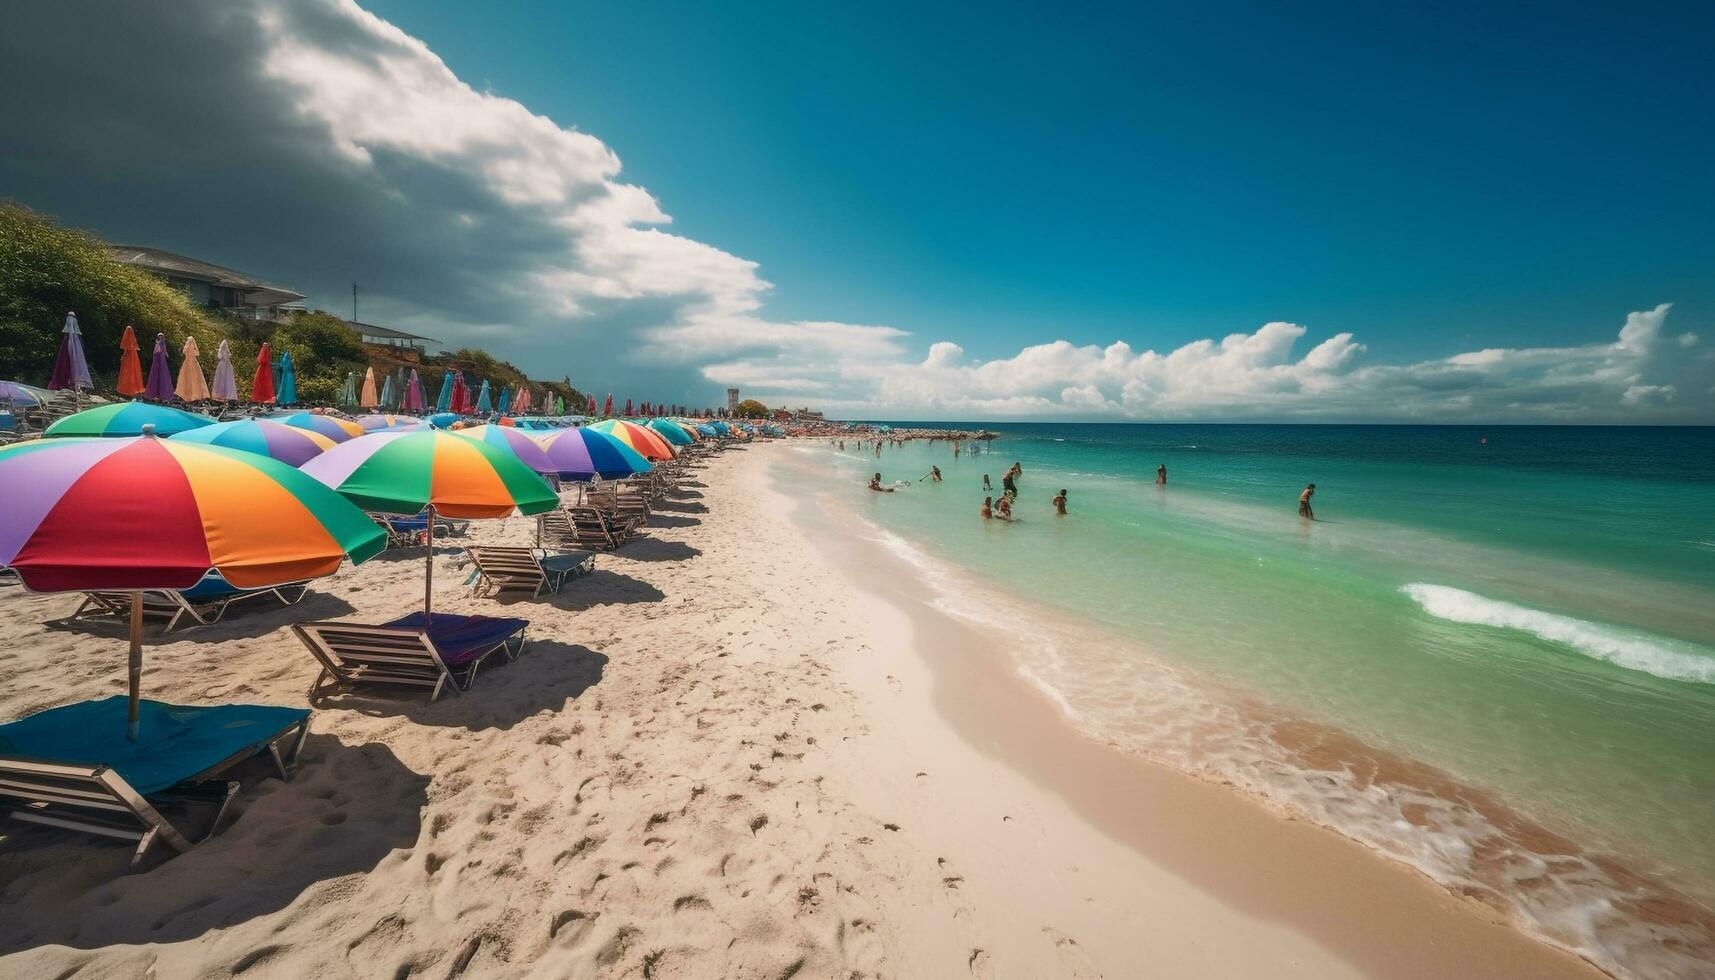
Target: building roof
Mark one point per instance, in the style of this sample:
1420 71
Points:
255 291
386 333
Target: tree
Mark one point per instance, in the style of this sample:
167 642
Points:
750 408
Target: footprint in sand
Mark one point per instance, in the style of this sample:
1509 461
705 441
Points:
1076 961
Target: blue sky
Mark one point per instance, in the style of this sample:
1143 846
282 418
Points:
1327 212
1437 179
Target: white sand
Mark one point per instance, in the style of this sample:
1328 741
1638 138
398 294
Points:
723 755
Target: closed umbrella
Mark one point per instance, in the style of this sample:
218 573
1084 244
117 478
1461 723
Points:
348 392
522 401
628 408
445 402
145 513
225 385
460 395
262 385
559 404
288 394
389 400
413 392
505 405
483 405
130 369
192 387
590 410
367 399
607 407
433 473
70 368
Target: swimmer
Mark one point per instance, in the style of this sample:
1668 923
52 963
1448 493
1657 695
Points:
875 484
1060 504
1304 502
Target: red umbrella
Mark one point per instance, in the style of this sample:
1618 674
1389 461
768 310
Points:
130 369
591 409
607 409
460 395
262 386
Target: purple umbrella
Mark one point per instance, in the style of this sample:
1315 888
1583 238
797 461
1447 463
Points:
413 392
160 386
225 385
70 369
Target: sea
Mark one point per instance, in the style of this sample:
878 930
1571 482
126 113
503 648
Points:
1491 655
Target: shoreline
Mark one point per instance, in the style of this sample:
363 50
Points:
1362 911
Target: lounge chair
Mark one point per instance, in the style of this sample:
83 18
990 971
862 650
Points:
203 604
72 766
532 569
441 650
583 527
623 501
407 532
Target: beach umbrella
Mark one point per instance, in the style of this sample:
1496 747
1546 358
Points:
125 419
262 385
191 386
130 369
331 426
505 401
673 432
483 405
522 402
391 423
15 393
436 473
445 402
389 399
607 407
225 385
443 420
582 454
461 395
70 368
348 392
590 408
559 404
264 437
288 389
160 385
367 399
145 513
515 441
414 400
628 407
648 443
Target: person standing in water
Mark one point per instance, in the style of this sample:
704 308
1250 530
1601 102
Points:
988 508
987 486
1304 502
1161 475
1060 503
1003 510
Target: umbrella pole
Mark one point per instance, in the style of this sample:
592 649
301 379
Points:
429 563
136 666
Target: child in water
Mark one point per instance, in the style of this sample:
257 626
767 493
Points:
987 486
988 508
875 484
1060 503
1003 510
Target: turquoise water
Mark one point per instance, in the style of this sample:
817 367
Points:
1533 614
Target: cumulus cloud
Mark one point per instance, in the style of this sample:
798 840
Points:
312 142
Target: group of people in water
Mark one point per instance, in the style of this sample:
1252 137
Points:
1001 509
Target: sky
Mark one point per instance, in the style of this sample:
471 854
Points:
1220 211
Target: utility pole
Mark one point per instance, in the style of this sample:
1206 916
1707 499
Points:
354 301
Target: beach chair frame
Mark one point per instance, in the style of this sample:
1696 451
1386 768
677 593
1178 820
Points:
173 607
355 653
506 569
94 799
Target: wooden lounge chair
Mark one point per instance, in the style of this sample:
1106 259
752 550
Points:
527 569
407 532
203 604
583 527
50 776
436 651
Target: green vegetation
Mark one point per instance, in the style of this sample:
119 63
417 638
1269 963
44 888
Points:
750 408
46 270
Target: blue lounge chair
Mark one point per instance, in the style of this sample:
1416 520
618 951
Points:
73 767
407 532
202 604
434 650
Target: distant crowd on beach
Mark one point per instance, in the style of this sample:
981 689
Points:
995 509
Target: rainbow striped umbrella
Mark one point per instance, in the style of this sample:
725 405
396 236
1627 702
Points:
673 432
514 440
647 444
289 445
145 513
584 454
432 472
126 419
332 426
391 423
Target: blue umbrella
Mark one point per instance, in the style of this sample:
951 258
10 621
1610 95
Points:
505 400
387 392
286 388
445 402
483 404
442 420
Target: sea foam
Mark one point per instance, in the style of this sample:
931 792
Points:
1659 656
